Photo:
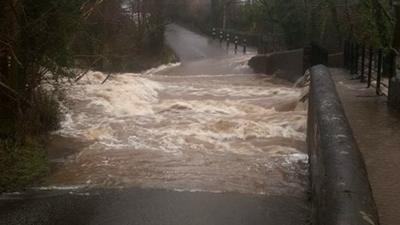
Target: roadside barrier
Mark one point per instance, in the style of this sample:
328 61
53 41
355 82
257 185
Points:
341 192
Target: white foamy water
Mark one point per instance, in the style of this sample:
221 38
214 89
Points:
234 131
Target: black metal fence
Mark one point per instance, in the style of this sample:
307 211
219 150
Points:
375 66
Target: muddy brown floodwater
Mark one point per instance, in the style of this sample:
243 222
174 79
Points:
203 142
208 124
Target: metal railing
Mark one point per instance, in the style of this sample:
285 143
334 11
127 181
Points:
263 43
375 66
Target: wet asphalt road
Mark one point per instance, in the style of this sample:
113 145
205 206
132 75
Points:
189 46
147 206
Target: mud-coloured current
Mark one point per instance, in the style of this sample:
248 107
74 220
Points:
207 125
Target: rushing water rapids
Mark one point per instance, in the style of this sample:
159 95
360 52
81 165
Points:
168 128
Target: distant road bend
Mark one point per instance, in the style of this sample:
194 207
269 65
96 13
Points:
203 142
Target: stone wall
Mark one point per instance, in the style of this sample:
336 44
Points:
287 65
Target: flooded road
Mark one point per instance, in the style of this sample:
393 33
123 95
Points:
206 125
205 141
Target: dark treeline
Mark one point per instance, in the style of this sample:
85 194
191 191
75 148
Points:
297 22
44 40
123 36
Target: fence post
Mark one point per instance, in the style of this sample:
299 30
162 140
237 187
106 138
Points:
379 74
228 40
363 64
236 44
370 61
214 33
391 60
345 57
393 64
394 84
353 57
244 46
356 60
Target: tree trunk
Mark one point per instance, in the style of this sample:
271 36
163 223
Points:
396 39
224 17
380 23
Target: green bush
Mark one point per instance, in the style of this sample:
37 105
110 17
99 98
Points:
47 112
40 118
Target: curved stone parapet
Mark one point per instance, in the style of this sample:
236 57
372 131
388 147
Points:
341 192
